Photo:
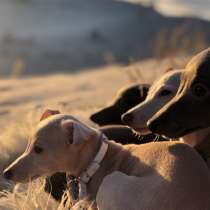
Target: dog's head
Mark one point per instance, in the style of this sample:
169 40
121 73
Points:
189 109
56 146
162 90
125 100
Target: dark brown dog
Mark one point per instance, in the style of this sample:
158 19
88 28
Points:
111 115
189 109
126 99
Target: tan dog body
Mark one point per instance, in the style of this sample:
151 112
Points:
162 176
168 176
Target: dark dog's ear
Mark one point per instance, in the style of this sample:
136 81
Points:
48 113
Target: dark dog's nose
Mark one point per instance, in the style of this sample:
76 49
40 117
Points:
8 174
127 118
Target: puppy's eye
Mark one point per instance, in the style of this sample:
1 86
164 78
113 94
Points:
165 92
199 90
38 149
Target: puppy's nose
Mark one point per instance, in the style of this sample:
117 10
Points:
127 118
8 174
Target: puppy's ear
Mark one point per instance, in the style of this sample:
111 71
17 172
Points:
76 132
68 128
169 69
47 113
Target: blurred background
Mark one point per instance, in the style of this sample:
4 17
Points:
75 56
51 36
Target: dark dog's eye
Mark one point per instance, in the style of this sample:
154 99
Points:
199 90
38 149
165 92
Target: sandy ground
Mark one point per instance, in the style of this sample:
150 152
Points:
23 100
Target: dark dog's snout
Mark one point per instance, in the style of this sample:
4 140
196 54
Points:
127 118
8 174
106 116
94 117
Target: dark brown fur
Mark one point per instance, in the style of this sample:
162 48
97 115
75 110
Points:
187 111
125 99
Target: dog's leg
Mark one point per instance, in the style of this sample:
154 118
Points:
57 184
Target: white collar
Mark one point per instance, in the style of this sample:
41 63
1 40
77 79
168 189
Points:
93 167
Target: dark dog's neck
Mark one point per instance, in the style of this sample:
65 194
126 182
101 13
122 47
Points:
203 147
142 139
126 135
